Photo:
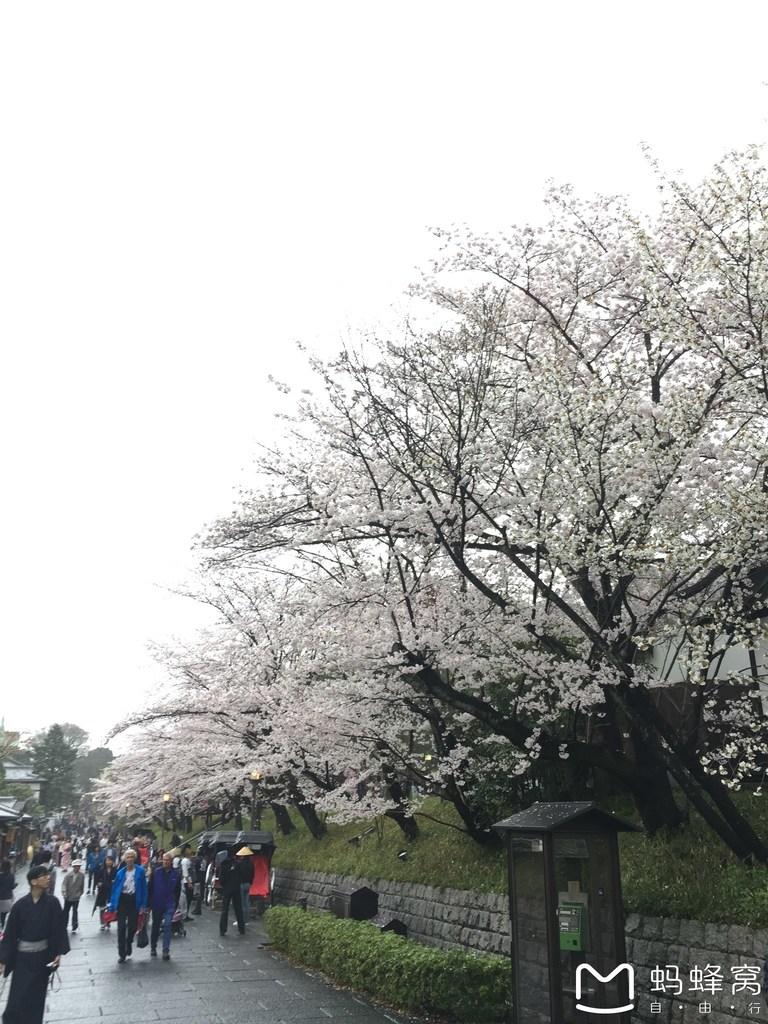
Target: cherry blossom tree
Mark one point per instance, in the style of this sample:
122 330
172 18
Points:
562 471
470 554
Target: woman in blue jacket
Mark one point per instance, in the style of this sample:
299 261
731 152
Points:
129 896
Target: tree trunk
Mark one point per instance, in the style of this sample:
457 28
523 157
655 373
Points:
654 799
311 820
476 828
656 748
406 822
398 814
282 819
663 748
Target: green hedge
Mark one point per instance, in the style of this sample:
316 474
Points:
400 972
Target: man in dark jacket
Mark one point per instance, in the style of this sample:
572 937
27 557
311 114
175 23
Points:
164 892
34 941
230 893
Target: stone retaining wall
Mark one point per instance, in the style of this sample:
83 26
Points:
692 946
449 918
461 919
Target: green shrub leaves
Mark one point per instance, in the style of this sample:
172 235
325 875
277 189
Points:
413 977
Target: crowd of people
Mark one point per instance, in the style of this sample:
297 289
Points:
128 879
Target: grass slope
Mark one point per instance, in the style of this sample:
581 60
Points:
691 875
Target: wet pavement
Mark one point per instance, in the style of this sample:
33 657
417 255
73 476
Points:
209 980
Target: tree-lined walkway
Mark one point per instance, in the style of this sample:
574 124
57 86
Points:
209 980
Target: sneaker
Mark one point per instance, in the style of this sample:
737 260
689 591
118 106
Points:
74 931
121 959
128 956
153 952
166 956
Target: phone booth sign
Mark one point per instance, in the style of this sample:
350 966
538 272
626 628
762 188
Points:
567 922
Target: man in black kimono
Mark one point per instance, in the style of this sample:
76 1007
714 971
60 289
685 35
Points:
35 939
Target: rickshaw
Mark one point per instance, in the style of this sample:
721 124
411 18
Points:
263 846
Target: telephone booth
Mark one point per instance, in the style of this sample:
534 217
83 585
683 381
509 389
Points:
567 923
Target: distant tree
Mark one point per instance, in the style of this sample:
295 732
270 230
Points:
53 758
90 765
75 736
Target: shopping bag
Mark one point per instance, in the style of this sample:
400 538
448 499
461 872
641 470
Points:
142 939
108 916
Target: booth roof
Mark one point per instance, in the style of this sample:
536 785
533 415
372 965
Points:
565 816
230 838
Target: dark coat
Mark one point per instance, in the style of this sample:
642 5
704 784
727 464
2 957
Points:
49 920
7 885
229 877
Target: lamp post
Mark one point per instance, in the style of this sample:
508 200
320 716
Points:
166 801
255 804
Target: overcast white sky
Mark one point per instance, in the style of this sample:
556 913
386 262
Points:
188 188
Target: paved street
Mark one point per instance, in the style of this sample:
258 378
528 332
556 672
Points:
209 980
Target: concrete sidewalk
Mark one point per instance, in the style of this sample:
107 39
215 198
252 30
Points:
209 980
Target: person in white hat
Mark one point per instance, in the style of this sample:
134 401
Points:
72 890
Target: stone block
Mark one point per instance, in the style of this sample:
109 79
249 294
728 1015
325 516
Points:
716 936
678 955
670 929
691 933
760 944
632 924
657 952
641 951
676 1010
739 939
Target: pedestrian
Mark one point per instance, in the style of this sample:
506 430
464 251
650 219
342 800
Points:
186 881
33 943
91 857
198 877
230 893
72 890
164 894
128 898
245 874
7 885
52 871
66 855
105 877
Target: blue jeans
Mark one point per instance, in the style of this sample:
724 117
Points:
244 890
161 918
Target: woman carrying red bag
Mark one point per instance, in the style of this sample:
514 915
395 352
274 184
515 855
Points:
105 877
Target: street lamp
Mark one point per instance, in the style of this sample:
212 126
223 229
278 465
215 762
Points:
255 805
166 801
